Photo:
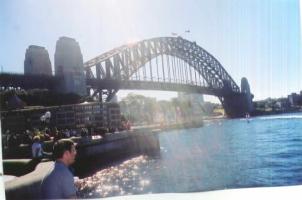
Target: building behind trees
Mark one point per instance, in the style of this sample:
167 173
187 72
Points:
75 116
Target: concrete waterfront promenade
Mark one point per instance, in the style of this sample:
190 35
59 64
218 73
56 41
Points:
104 149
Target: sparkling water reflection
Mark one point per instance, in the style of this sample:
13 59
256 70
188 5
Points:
124 179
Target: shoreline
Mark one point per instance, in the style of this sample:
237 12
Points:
169 126
274 113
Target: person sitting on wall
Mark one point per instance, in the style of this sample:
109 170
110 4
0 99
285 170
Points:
36 148
66 133
84 136
46 134
58 135
26 138
53 132
59 182
84 133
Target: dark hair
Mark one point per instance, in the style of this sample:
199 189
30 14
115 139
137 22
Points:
61 146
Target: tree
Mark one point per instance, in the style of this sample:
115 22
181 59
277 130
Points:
138 108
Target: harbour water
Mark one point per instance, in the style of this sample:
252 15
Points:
232 153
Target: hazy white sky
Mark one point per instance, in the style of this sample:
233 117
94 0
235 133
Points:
257 39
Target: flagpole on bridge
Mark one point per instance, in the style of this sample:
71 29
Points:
180 35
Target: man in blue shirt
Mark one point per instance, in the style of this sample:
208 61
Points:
59 182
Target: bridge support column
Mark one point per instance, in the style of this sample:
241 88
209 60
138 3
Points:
237 105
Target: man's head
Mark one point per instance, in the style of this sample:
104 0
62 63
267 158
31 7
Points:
64 150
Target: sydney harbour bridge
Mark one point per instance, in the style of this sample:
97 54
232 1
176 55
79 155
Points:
164 63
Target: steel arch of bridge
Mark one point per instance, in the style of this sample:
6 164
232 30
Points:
123 62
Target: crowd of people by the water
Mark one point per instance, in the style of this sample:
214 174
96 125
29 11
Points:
13 139
37 137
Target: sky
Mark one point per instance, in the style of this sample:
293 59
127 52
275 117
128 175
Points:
256 39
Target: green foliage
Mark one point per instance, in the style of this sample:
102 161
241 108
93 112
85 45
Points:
141 110
138 108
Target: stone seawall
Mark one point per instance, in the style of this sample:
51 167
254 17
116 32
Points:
101 152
